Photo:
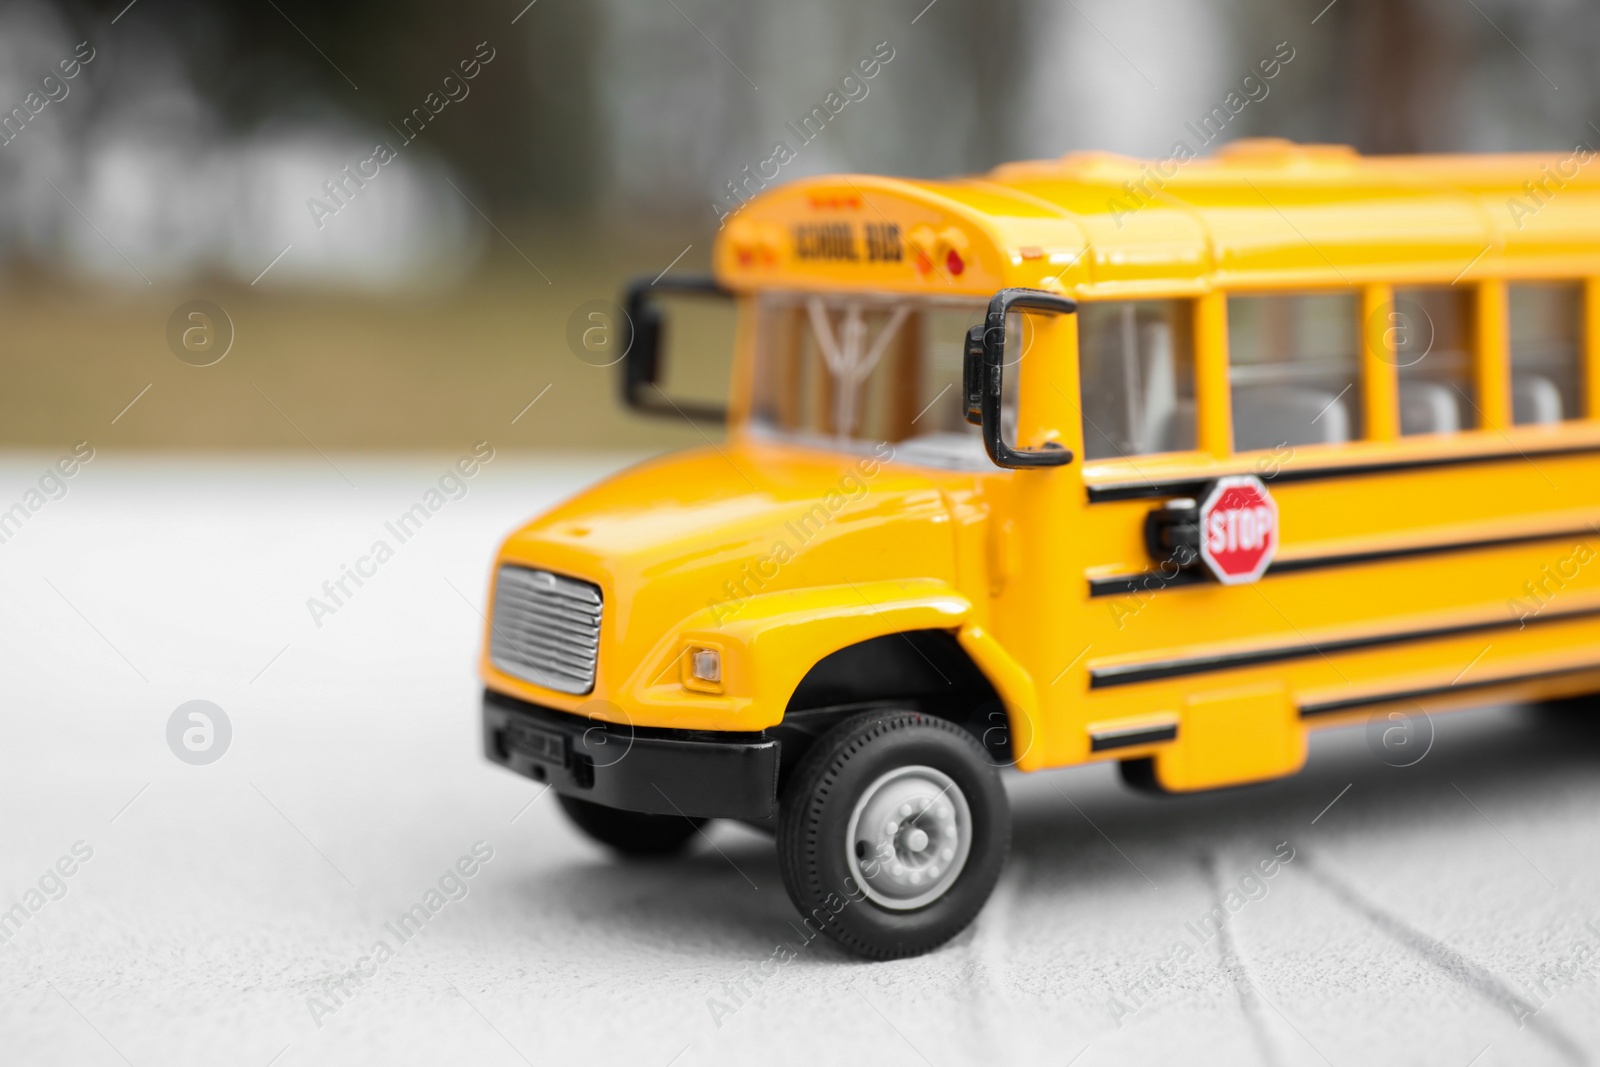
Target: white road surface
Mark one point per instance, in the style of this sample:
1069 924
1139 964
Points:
1443 913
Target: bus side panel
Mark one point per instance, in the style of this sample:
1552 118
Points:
1404 582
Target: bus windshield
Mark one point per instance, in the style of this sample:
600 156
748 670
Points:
851 371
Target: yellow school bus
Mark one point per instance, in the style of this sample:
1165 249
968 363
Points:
1162 462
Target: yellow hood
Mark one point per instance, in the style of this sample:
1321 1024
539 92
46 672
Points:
700 541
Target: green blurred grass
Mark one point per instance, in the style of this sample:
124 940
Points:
423 371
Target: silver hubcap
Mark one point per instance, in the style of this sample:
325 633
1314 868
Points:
909 837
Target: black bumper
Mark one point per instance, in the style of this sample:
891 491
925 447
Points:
660 772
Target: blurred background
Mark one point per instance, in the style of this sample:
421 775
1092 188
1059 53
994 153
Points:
399 206
388 217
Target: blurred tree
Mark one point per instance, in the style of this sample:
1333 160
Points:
989 38
527 137
654 107
1402 76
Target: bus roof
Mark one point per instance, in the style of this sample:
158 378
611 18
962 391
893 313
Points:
1259 214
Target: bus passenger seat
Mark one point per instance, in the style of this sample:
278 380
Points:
1428 407
1178 430
1535 400
1266 416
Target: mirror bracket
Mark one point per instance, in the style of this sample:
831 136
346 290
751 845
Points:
983 377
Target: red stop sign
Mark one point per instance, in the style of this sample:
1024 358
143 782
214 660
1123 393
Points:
1238 529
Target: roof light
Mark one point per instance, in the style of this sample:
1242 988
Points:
755 244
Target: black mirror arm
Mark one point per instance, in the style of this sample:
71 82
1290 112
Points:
984 373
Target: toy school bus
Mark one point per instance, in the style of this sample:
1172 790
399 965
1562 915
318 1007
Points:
1080 460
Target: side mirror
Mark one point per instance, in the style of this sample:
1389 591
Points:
645 330
983 377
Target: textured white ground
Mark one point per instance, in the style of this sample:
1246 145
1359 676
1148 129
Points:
1416 921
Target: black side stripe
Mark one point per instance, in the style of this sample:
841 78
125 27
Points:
1130 673
1148 581
1331 707
1153 580
1128 738
1101 494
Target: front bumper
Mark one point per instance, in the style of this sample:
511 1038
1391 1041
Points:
643 769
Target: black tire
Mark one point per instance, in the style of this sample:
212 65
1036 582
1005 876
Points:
629 832
1578 717
1140 776
814 846
1582 704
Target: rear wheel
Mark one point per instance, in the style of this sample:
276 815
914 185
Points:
892 833
629 832
1574 705
1577 717
1140 776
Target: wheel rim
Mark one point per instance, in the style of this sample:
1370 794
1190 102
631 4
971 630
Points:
909 837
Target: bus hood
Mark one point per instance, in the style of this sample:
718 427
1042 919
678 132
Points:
689 539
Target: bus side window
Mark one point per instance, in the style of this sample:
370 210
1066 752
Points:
1295 370
1546 380
1136 376
1432 336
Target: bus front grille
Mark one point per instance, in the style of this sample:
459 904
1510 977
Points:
546 629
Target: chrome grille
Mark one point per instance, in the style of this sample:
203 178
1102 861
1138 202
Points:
546 629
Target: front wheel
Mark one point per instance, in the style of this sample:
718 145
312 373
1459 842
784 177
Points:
892 833
629 832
